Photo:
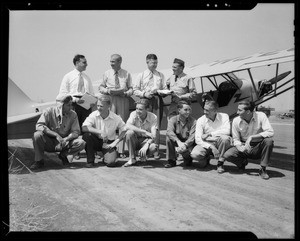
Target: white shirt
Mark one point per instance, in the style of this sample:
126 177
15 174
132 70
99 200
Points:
69 84
144 84
204 125
259 124
107 126
108 81
149 122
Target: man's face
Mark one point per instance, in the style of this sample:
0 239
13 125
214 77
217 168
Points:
242 112
115 63
67 107
102 106
140 110
185 111
81 64
177 69
209 111
152 64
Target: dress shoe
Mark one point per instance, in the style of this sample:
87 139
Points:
263 174
131 162
244 164
90 165
170 164
37 165
220 169
187 163
64 160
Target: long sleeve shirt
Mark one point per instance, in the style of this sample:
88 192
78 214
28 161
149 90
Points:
144 84
259 124
184 87
108 81
107 126
220 126
63 124
69 84
185 132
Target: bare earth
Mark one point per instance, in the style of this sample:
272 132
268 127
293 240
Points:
149 197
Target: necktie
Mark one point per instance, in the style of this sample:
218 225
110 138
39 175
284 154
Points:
117 81
80 84
151 76
176 78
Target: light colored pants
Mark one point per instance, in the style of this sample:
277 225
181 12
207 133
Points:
136 142
42 143
120 106
201 154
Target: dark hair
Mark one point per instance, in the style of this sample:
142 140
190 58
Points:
119 57
183 102
249 105
151 56
77 57
144 102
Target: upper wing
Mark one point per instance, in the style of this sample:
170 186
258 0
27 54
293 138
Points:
241 63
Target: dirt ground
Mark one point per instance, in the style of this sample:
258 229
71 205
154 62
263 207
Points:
149 197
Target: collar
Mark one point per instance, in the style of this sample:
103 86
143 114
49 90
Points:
180 76
58 113
146 119
147 71
109 115
77 72
216 119
253 119
179 121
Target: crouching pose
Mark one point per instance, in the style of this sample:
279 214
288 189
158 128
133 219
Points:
141 132
57 130
252 138
212 136
100 132
180 136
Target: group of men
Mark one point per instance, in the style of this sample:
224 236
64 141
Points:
58 128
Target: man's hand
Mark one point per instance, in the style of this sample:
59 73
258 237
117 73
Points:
247 144
148 95
143 150
241 148
80 101
204 136
148 134
181 146
215 151
111 145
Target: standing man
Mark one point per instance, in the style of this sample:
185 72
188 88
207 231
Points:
100 132
117 83
57 130
146 86
252 138
180 136
212 136
181 85
76 83
141 131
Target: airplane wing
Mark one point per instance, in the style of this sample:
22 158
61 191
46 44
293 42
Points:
241 63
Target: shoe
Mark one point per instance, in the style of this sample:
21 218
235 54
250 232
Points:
89 165
130 163
143 159
122 155
187 163
64 160
170 164
111 164
244 164
37 165
263 174
220 169
77 157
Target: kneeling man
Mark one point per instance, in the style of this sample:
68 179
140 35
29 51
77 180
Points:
57 130
180 136
100 132
141 132
212 136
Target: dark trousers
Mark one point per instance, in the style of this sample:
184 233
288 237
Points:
171 152
82 113
261 150
93 144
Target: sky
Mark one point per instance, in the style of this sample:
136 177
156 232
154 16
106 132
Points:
42 44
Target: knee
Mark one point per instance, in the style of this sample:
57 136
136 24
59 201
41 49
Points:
86 136
81 144
268 142
225 139
196 156
37 135
129 134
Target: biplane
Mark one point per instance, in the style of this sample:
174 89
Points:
227 82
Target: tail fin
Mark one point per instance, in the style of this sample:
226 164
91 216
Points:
18 102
